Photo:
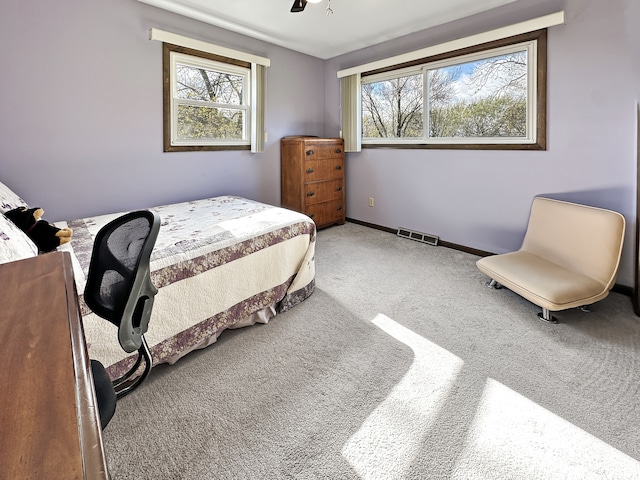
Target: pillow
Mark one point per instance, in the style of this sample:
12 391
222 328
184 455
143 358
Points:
9 199
14 243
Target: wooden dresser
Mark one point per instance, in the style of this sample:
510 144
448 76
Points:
312 178
48 409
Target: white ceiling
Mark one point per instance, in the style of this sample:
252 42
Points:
354 24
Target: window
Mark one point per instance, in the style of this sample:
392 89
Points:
209 104
488 96
392 106
486 99
210 101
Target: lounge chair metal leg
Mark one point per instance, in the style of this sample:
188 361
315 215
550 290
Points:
545 315
493 284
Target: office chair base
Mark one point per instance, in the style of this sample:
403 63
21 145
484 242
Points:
105 393
131 380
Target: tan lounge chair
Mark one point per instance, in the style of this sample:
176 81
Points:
569 257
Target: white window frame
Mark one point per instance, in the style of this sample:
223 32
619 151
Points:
255 94
532 95
213 65
535 28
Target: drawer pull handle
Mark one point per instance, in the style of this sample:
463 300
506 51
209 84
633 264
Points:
338 150
311 193
309 152
338 167
311 215
310 170
339 207
338 189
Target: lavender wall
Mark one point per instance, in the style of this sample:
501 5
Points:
81 122
481 199
81 110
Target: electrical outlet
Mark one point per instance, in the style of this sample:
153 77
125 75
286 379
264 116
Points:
371 201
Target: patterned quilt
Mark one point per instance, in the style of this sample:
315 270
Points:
218 263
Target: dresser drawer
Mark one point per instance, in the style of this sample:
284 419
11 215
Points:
326 213
323 191
322 151
315 170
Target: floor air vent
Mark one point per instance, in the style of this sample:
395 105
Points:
417 236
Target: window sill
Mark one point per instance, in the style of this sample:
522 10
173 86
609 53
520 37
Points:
458 146
204 148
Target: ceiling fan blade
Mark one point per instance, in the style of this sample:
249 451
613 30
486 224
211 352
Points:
298 5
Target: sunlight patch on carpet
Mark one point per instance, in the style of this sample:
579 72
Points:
391 437
512 437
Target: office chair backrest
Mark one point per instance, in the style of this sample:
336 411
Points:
119 287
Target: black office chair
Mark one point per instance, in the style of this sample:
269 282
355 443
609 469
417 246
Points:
105 393
119 289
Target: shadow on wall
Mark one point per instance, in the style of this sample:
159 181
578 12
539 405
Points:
509 240
609 198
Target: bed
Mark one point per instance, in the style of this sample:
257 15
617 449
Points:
218 263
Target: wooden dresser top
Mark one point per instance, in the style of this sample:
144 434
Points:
48 419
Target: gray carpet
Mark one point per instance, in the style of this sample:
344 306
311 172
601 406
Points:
401 365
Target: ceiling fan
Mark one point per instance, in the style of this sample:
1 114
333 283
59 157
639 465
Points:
298 5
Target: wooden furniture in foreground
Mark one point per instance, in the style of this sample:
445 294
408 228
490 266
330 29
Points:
48 412
312 178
